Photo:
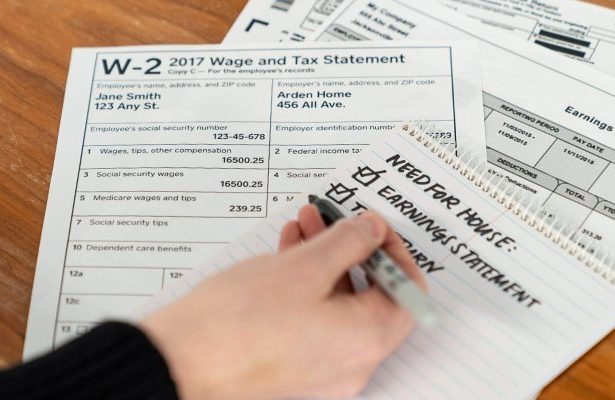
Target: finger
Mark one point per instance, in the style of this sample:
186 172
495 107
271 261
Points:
394 247
311 224
310 221
344 285
290 236
333 252
378 324
389 323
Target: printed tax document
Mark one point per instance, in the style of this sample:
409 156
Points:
549 120
514 307
260 19
577 29
165 154
272 21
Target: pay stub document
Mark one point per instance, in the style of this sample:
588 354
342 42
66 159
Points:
280 20
514 308
165 154
549 121
577 29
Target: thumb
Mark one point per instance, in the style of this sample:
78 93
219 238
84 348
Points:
334 251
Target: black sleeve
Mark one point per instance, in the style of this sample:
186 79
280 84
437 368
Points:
113 361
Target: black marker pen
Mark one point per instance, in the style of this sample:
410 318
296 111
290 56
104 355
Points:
386 273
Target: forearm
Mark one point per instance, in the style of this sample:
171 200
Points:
113 361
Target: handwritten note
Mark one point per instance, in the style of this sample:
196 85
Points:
515 309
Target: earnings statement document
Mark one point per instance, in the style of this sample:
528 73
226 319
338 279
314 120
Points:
280 20
577 29
549 120
165 154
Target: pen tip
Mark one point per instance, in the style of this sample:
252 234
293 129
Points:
312 198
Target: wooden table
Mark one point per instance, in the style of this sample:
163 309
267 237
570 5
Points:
36 38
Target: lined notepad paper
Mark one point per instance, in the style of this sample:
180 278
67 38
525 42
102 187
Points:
515 309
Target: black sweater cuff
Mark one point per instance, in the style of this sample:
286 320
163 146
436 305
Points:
114 361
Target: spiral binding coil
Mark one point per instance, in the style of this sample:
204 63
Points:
589 252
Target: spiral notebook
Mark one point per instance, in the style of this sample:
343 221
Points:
518 297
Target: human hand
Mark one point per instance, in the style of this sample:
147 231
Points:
287 325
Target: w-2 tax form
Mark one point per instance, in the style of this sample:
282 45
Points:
167 153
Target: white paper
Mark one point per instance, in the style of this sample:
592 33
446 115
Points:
312 14
577 29
260 19
271 21
162 158
550 121
513 311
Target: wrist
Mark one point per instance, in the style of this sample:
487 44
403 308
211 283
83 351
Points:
203 365
166 337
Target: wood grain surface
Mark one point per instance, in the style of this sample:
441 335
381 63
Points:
36 38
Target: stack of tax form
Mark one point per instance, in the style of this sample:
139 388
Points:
548 116
168 154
